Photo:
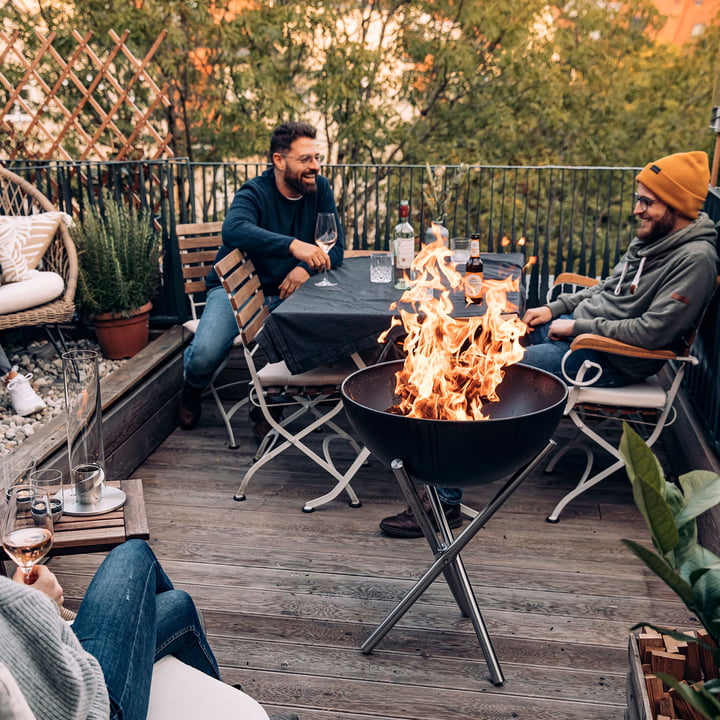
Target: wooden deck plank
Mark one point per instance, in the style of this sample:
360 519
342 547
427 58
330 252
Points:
288 597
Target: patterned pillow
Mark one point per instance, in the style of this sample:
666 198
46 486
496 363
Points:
24 240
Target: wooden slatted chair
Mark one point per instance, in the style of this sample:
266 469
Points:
198 244
313 396
19 197
648 404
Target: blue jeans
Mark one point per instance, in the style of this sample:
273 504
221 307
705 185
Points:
214 337
132 616
546 354
215 334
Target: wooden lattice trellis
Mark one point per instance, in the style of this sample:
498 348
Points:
82 105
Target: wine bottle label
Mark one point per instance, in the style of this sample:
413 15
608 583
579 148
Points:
405 252
473 285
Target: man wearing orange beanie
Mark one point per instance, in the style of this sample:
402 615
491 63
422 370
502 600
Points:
658 290
653 297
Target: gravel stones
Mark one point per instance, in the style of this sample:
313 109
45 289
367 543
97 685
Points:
42 360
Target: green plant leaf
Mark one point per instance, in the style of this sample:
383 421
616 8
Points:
640 462
649 490
698 696
664 571
701 489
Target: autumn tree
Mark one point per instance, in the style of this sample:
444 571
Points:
414 81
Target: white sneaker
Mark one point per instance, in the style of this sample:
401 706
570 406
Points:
24 399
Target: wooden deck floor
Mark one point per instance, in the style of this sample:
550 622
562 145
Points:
288 597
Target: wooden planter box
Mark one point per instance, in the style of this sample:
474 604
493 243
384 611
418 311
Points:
645 694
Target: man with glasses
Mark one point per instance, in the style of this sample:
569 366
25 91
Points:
653 297
657 291
272 219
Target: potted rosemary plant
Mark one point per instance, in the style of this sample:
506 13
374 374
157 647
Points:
119 253
689 569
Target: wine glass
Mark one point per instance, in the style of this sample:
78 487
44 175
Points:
27 533
325 237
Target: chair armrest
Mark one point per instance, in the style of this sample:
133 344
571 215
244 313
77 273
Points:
575 279
590 341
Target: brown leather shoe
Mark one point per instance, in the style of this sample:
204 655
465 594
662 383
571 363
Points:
405 525
190 407
260 426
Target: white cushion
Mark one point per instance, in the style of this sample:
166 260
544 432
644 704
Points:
278 374
180 692
192 325
646 394
24 240
13 705
39 288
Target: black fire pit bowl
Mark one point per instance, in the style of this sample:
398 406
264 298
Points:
455 453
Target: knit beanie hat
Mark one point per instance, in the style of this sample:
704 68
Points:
680 180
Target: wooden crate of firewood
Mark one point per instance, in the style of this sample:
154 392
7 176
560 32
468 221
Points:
650 652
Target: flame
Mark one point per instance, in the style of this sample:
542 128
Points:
453 365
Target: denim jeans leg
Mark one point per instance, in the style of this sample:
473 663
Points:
118 623
213 339
546 354
179 633
450 496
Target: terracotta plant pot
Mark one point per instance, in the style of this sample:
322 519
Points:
122 337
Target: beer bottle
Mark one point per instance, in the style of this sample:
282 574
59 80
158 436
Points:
474 271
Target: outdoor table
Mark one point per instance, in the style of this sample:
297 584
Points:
319 326
76 534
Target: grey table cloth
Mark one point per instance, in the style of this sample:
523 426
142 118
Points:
318 326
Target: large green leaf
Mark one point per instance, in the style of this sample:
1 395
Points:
640 462
701 489
706 591
698 696
664 571
649 489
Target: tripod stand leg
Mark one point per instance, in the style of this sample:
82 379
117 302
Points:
449 557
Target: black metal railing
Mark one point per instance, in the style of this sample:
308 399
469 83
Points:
575 219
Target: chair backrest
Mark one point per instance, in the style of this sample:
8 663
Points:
18 197
238 276
198 244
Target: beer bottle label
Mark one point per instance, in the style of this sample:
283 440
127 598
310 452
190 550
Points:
473 285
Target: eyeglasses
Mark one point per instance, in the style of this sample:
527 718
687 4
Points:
307 159
645 202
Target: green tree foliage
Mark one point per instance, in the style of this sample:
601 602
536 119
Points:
415 81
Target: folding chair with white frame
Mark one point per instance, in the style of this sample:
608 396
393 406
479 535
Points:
648 404
314 393
198 244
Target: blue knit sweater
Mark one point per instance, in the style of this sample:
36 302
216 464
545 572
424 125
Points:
262 222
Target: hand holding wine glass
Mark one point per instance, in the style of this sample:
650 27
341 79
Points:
325 237
27 533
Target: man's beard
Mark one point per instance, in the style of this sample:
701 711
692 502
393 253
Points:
298 185
659 228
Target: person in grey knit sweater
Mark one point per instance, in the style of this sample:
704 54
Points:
101 666
652 299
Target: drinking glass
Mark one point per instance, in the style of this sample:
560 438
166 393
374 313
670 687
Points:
381 267
27 533
15 470
461 249
50 481
325 237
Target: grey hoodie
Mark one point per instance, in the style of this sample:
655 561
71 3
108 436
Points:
653 297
